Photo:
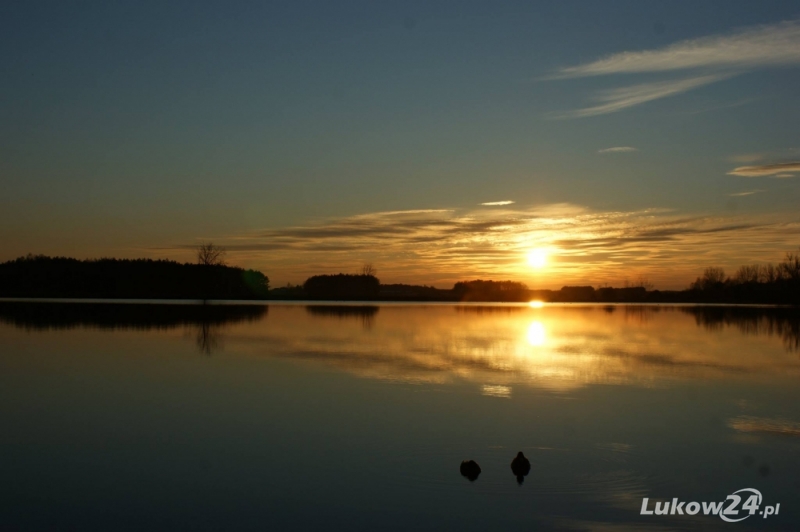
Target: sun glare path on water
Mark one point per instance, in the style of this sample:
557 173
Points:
536 334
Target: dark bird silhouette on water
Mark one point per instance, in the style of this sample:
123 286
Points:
520 466
470 469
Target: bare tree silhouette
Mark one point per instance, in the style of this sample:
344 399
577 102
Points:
712 278
209 254
368 269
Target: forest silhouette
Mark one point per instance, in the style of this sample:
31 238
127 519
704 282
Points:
211 279
60 277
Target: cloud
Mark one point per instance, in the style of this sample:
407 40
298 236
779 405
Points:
617 99
493 203
617 149
748 193
443 246
762 46
716 57
752 424
777 170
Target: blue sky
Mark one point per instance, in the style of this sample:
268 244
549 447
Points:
275 129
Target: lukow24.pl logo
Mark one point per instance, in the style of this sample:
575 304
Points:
728 510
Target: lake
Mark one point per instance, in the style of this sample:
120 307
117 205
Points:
357 417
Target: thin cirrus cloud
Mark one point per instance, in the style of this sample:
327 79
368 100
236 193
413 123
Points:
618 149
767 45
765 170
613 100
444 246
762 425
716 57
747 193
497 203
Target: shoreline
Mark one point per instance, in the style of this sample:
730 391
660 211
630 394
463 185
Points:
363 303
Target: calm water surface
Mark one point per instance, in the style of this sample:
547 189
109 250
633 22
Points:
296 417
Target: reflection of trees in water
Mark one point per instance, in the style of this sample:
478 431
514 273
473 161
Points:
209 338
488 309
641 313
365 313
144 316
210 320
781 322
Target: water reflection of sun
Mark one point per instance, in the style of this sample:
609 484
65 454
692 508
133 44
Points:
536 334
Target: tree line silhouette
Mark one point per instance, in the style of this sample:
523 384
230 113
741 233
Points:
362 287
211 278
60 277
757 283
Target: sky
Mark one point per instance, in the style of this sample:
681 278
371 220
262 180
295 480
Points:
439 141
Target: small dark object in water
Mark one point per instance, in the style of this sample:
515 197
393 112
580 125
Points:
520 466
470 469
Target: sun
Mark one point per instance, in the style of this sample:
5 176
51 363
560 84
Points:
537 258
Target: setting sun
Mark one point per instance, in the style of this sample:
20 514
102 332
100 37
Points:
537 258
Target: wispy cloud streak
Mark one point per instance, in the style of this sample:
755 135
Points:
748 193
496 203
618 149
777 170
762 46
717 57
617 99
